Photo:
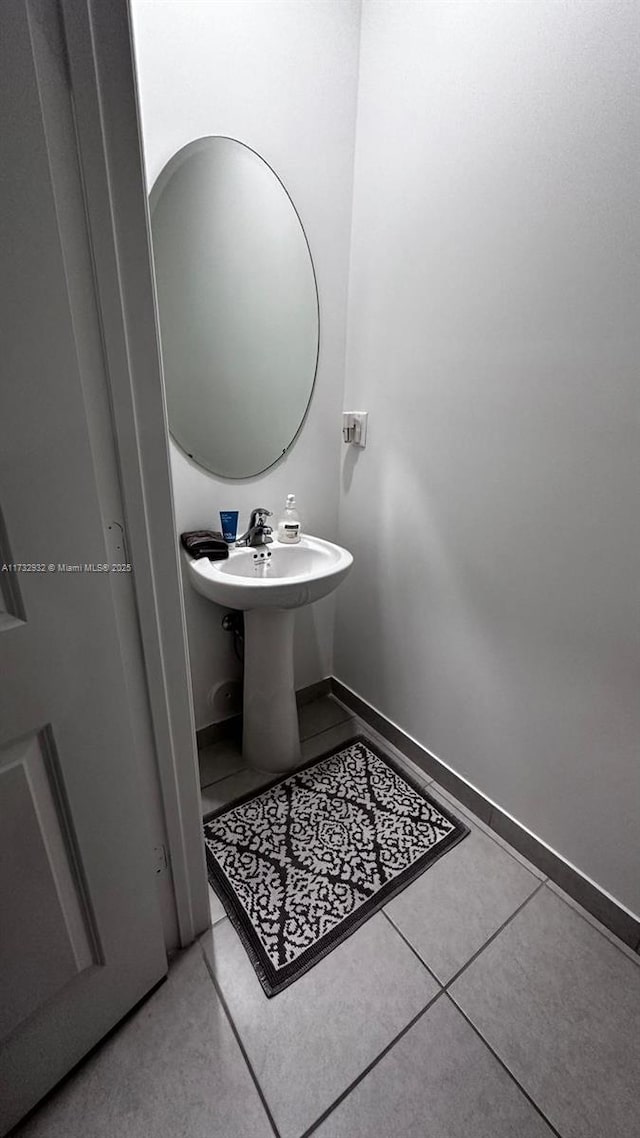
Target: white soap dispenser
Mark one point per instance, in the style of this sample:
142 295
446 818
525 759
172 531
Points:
289 524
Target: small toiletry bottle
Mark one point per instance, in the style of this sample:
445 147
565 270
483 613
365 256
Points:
289 524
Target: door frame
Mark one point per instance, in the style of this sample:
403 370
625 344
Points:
102 80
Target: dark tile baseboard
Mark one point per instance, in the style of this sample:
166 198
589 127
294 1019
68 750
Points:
231 727
603 908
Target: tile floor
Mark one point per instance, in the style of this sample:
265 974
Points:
479 1002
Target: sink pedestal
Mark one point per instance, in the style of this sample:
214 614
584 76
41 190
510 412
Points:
268 594
270 733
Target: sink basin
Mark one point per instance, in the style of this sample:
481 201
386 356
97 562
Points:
269 584
274 576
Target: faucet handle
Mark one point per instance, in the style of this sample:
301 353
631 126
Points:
259 515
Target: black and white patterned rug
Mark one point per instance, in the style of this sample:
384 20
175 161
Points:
301 864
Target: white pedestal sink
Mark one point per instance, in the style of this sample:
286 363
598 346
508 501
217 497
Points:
269 583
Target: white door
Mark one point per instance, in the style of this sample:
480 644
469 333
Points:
80 932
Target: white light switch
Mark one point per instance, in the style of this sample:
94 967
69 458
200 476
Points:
354 427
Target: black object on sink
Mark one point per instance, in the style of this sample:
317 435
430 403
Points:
205 543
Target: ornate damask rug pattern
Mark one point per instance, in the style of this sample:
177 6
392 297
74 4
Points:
301 864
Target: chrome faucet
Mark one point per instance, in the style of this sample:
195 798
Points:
258 533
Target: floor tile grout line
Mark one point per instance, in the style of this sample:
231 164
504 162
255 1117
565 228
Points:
413 950
230 774
363 1074
408 765
238 1040
503 845
331 727
577 908
471 959
493 936
510 1073
313 734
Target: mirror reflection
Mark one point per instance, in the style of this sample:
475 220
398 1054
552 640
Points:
238 307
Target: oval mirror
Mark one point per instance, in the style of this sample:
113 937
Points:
238 307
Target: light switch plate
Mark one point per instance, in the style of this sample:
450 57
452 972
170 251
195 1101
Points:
354 427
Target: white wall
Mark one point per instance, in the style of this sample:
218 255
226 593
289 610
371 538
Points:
281 76
494 339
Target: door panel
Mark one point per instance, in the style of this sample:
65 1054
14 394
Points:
48 930
80 932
